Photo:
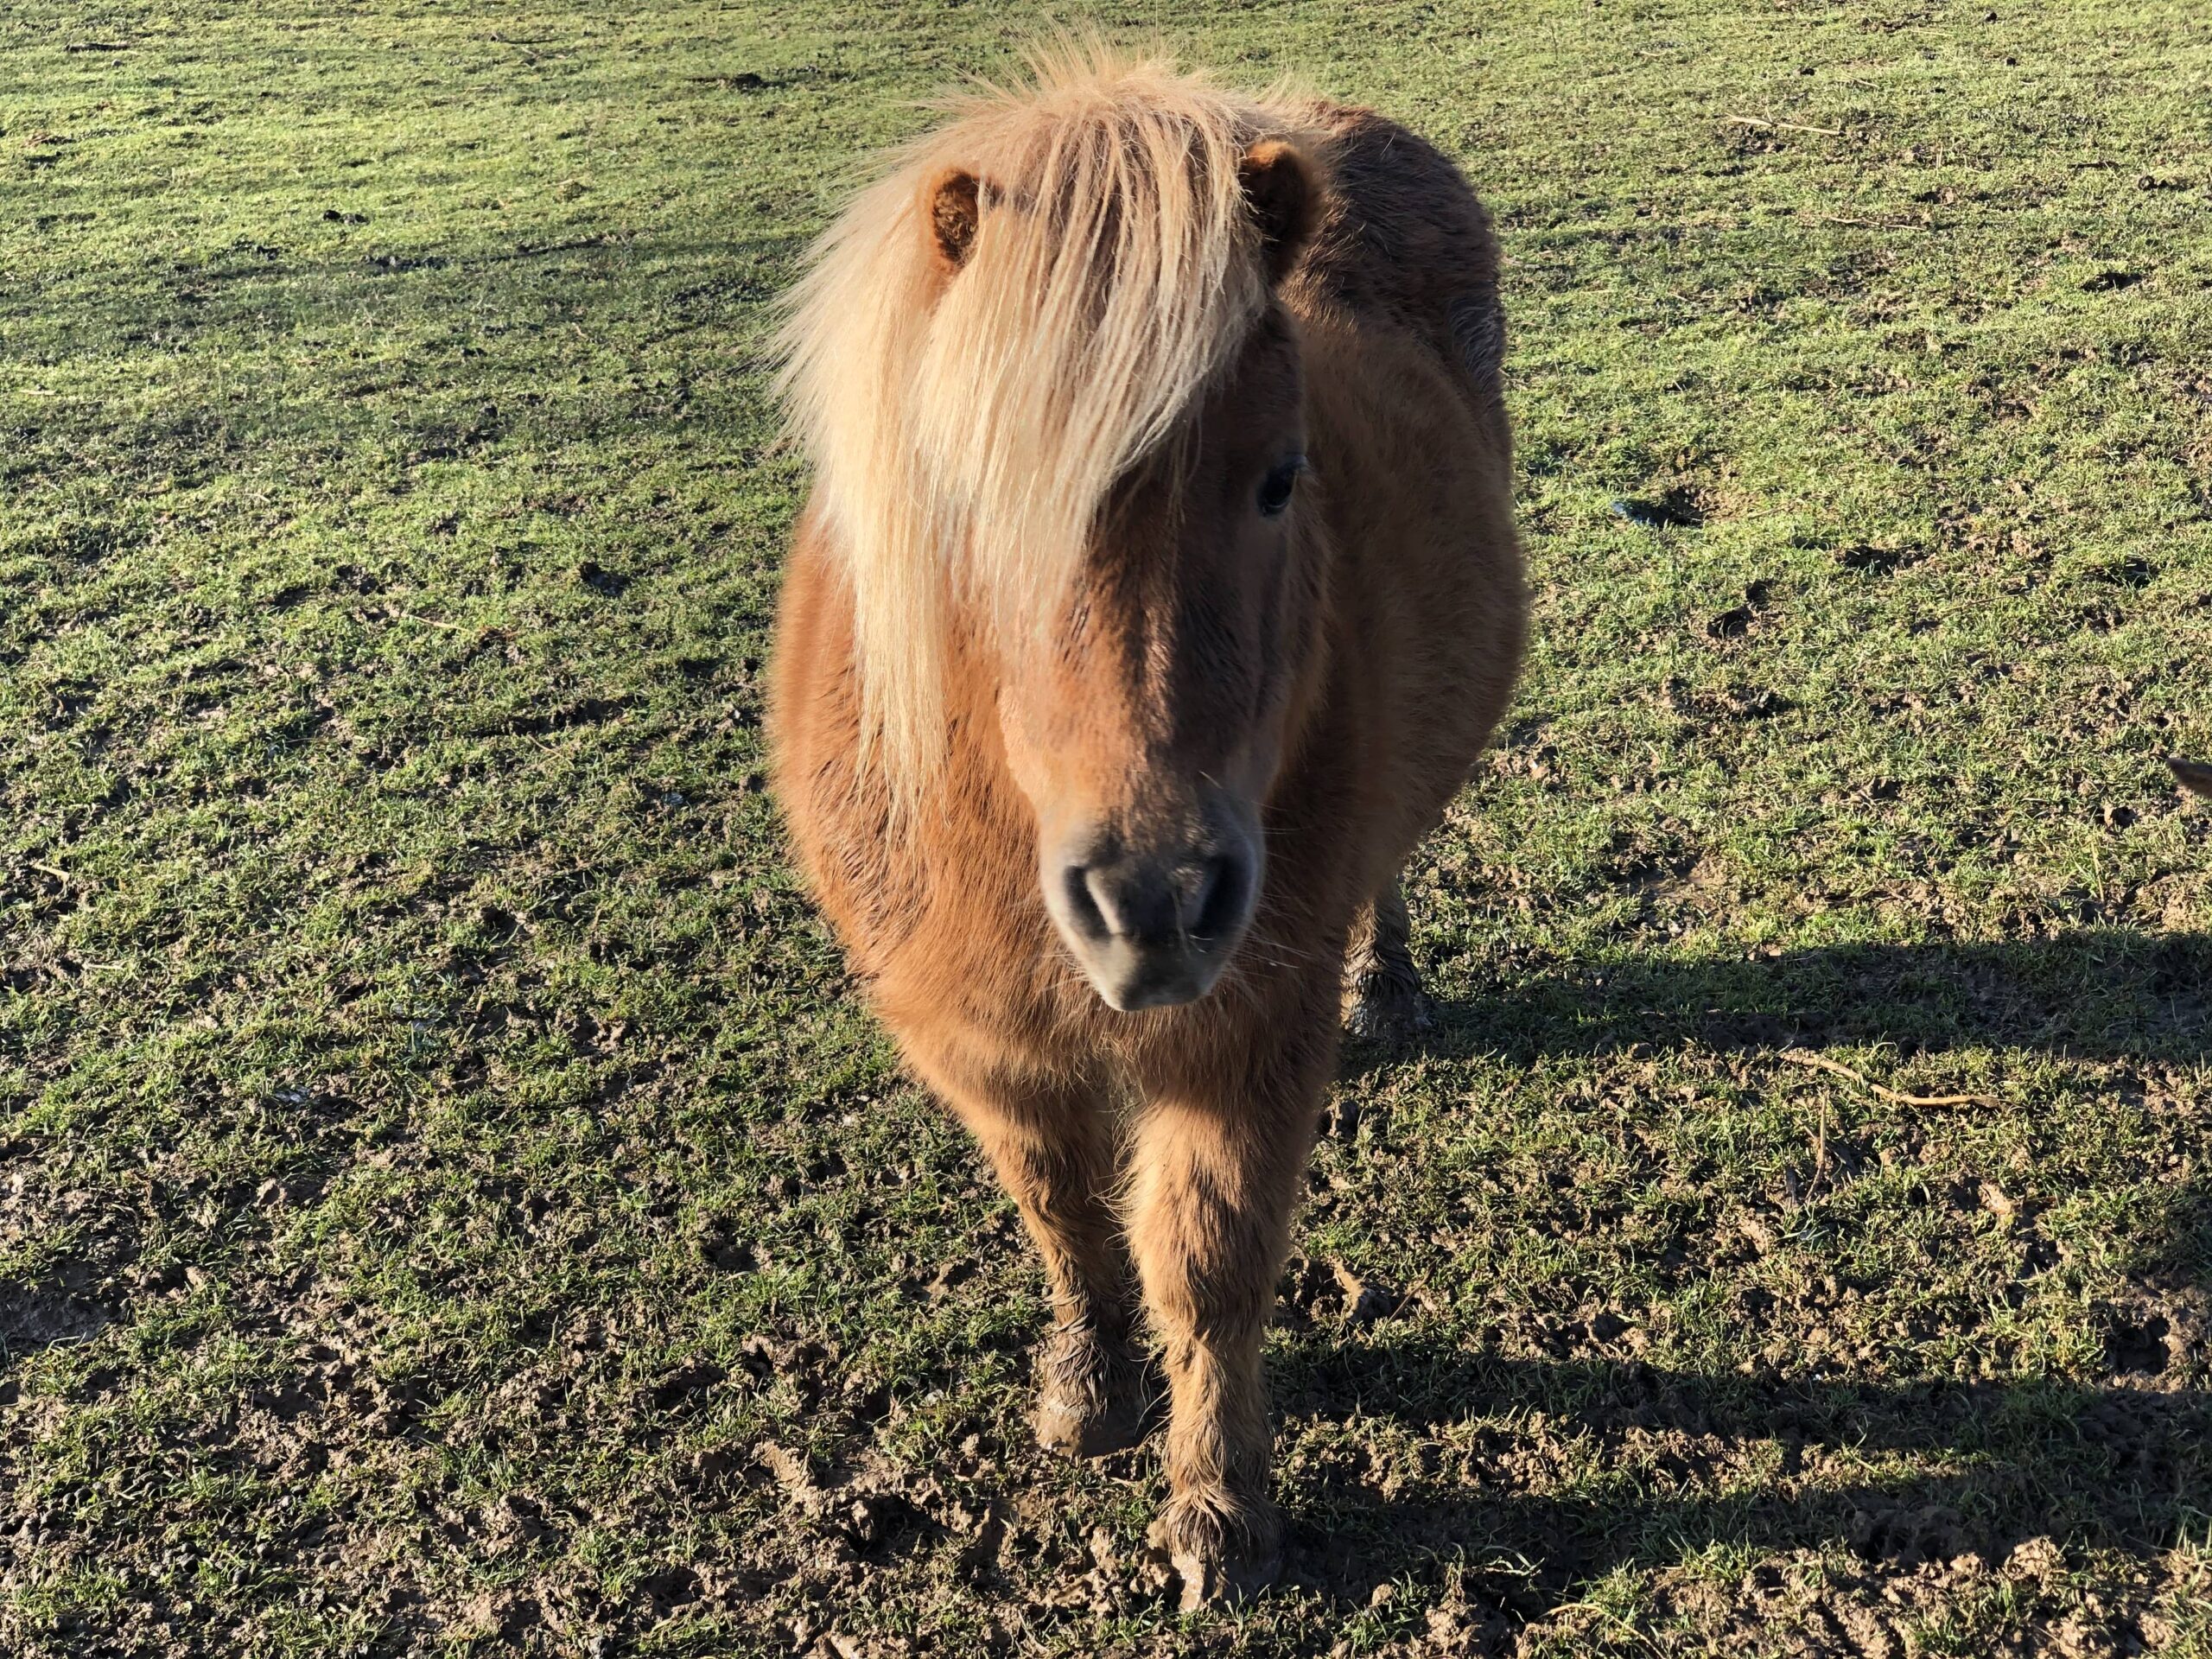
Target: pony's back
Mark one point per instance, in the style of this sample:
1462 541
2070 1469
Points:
1406 242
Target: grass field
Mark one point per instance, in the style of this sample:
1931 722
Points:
450 1199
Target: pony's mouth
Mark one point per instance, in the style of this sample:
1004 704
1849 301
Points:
1153 931
1155 981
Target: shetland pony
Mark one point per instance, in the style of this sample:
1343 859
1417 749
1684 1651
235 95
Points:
1158 588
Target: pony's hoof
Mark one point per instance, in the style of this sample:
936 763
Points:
1387 1009
1222 1559
1089 1429
1091 1398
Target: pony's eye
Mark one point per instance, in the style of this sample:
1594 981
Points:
1276 487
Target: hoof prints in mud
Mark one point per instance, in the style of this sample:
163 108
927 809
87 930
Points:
33 1318
1464 1498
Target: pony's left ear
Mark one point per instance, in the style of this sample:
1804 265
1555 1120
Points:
954 203
1284 189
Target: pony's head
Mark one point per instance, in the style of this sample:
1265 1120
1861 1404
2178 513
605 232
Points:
1146 727
1056 410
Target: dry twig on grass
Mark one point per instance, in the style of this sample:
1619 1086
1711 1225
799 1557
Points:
1778 126
1805 1057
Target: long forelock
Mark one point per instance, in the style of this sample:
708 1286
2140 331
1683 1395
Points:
963 442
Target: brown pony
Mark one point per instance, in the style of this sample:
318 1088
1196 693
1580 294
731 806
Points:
1158 588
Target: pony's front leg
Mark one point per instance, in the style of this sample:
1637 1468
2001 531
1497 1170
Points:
1216 1160
1051 1140
1384 997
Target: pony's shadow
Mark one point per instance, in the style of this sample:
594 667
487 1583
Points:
2099 994
1664 1455
2127 1463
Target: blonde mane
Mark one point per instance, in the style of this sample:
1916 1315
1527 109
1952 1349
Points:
964 428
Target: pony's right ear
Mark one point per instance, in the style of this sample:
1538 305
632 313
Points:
955 202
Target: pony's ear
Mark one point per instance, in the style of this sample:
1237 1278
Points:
1285 194
2192 775
955 202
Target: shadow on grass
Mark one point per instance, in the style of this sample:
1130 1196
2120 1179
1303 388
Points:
2104 994
1688 1461
1899 1474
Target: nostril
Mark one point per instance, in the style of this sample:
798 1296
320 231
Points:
1217 904
1078 888
1123 906
1200 900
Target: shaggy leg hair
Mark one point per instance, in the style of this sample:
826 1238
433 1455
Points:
1051 1144
1384 999
1216 1160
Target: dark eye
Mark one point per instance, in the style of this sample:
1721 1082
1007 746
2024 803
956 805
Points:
1276 487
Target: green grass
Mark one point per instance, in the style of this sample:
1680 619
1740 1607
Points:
450 1199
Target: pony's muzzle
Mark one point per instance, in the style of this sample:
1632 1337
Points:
1151 929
